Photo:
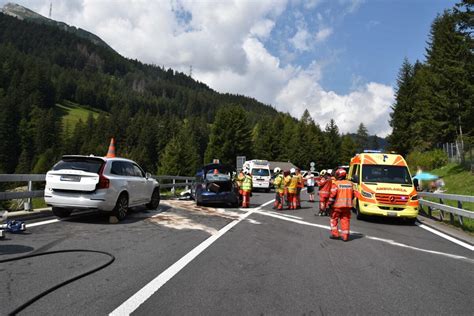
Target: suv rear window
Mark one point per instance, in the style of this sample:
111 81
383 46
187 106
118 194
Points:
84 164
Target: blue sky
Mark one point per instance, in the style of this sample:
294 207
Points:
368 44
337 58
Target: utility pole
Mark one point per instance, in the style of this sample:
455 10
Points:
191 71
50 9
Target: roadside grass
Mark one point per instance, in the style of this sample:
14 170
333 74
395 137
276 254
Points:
38 203
72 113
460 181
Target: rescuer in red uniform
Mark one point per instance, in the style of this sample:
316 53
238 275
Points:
341 200
324 183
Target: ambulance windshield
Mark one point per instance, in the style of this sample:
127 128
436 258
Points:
260 172
386 174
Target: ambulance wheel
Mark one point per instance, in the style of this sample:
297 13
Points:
61 212
410 221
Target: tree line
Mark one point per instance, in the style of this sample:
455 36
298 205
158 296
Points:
163 119
434 99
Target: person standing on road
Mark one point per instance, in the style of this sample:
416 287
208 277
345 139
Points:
310 185
240 180
299 187
279 184
341 197
324 183
246 189
292 184
286 182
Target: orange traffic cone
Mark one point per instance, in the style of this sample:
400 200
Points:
111 152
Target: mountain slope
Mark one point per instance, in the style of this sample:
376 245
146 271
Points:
22 13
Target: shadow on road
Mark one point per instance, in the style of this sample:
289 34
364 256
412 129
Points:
14 249
388 221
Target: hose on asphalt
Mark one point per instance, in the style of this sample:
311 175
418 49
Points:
57 286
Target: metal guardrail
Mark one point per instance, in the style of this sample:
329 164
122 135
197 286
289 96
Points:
30 178
459 211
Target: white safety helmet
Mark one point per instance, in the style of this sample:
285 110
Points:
329 171
323 172
292 171
276 170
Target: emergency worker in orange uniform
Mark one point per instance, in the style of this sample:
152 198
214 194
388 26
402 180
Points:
341 197
286 183
246 189
324 183
279 184
292 184
300 185
240 180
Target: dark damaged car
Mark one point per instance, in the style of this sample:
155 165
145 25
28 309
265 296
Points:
215 185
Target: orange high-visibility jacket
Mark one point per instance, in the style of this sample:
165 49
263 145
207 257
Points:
342 194
300 181
324 185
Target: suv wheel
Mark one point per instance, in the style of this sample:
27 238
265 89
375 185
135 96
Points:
155 199
61 212
121 207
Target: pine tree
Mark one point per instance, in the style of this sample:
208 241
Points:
401 119
362 137
348 149
230 135
450 60
180 156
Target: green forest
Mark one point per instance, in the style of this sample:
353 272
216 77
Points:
62 94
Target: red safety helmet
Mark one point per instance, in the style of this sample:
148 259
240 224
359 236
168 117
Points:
341 174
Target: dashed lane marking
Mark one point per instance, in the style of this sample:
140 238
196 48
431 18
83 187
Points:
131 304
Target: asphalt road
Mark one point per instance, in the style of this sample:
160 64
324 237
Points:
185 260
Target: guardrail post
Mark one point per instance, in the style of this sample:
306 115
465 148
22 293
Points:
186 187
441 212
461 221
27 205
173 189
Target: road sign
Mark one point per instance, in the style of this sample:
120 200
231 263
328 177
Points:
312 164
240 162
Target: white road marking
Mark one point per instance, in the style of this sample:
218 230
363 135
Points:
443 235
297 221
42 223
131 304
286 215
391 242
394 243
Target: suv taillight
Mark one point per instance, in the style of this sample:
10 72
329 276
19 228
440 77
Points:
104 182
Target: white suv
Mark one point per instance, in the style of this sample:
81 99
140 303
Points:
106 184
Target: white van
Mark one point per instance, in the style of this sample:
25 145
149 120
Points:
261 176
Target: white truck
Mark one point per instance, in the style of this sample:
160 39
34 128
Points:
261 176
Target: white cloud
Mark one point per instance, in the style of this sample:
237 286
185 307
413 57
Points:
224 41
323 34
300 40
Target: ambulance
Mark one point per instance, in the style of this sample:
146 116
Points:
261 176
383 186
